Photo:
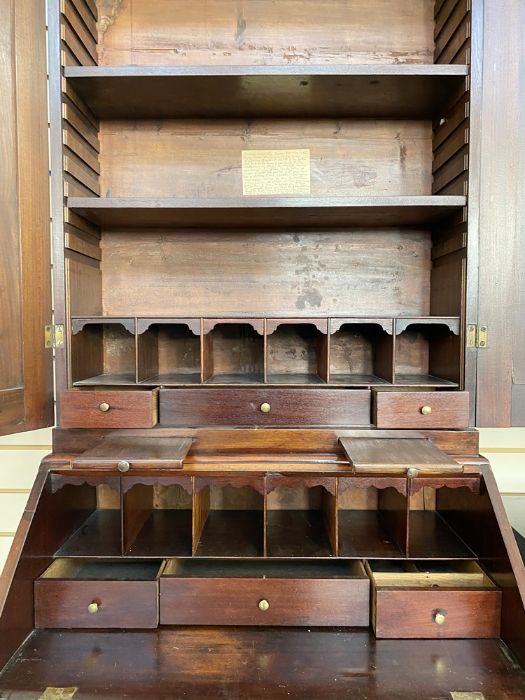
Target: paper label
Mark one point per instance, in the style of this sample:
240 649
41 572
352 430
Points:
467 696
276 172
58 693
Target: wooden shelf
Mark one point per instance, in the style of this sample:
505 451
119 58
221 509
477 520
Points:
431 537
99 536
423 380
361 534
412 91
268 212
297 533
166 533
232 533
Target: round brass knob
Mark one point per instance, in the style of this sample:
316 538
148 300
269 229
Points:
93 608
439 617
264 605
265 407
426 410
123 466
104 407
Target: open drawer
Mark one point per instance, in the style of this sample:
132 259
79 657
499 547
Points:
323 593
82 593
433 599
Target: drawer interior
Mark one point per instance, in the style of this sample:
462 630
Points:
429 574
93 570
216 568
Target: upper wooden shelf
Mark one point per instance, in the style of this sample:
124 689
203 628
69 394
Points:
275 212
413 91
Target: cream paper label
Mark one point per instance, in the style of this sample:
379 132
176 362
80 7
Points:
276 172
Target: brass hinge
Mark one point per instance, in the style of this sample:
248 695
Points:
54 336
476 336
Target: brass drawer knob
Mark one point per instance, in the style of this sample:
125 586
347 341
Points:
264 605
93 608
439 617
265 407
426 410
123 466
104 407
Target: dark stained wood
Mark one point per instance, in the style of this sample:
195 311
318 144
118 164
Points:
26 377
249 442
291 664
292 601
431 537
483 524
396 455
99 535
266 212
140 92
172 278
138 451
132 409
178 407
403 409
409 614
121 604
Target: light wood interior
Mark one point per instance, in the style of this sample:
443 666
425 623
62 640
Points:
225 32
413 575
202 158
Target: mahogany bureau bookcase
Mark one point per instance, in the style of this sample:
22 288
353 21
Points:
265 472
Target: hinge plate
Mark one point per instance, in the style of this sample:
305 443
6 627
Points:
54 336
476 336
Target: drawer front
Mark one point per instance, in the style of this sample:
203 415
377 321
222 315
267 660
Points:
226 601
421 409
120 604
264 407
108 409
412 614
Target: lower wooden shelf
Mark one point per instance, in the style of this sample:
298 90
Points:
100 535
297 533
232 533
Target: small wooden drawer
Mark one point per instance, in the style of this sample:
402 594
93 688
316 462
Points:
421 409
77 593
264 593
108 409
428 600
264 407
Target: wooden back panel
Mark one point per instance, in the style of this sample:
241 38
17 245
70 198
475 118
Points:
262 33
